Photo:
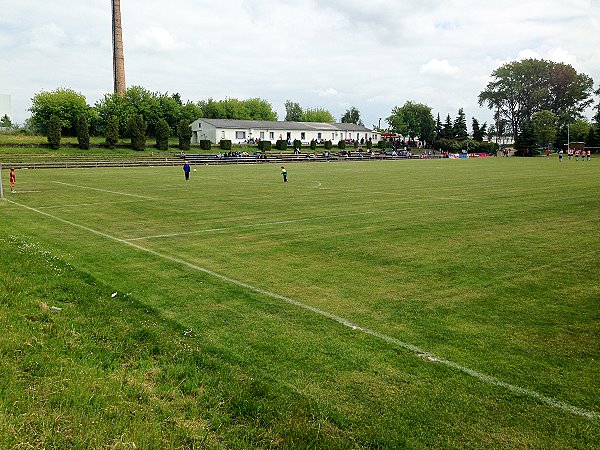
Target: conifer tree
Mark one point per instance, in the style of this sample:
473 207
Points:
184 134
162 135
112 131
83 133
137 131
54 132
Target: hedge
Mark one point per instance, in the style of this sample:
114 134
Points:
225 144
281 144
264 146
205 144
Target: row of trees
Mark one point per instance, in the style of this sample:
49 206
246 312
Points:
155 107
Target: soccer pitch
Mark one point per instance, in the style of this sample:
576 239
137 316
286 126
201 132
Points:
416 303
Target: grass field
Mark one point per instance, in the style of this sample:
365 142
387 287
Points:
389 304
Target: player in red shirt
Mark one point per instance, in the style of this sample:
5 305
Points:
12 179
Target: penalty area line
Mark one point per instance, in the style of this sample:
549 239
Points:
550 401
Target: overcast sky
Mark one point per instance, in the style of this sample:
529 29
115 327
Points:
332 54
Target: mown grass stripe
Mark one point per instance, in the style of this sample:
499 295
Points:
555 403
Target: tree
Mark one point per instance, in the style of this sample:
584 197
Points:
163 132
352 115
413 119
232 108
83 133
593 137
112 131
544 127
448 129
460 126
521 88
579 130
184 134
137 131
53 131
438 128
5 121
478 131
293 111
525 142
317 115
66 104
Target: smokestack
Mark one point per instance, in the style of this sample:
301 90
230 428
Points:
118 56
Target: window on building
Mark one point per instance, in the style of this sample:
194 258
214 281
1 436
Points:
319 136
271 135
262 135
240 135
303 136
223 134
289 136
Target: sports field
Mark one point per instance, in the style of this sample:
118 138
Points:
387 304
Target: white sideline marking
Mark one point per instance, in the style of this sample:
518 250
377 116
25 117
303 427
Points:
253 225
75 205
410 347
104 190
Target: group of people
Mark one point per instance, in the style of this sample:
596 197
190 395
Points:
575 153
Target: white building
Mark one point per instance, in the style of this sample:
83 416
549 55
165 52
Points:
239 131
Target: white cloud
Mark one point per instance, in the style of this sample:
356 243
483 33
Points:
439 67
47 37
562 56
156 39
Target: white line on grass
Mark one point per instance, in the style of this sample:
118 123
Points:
76 205
410 347
254 225
104 190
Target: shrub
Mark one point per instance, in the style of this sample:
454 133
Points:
225 144
369 144
327 145
313 144
342 144
83 133
384 144
112 131
137 130
205 144
297 144
356 143
264 146
163 132
53 132
281 144
184 134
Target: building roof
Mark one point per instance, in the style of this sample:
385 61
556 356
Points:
284 125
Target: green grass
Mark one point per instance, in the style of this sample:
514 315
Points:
491 264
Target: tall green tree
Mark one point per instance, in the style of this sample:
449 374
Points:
163 132
112 131
544 127
66 104
352 115
184 134
460 126
54 131
317 115
413 120
83 133
448 129
293 111
525 142
438 128
479 131
521 88
137 132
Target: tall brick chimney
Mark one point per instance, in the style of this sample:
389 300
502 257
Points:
118 56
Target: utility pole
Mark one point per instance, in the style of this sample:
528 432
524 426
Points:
118 55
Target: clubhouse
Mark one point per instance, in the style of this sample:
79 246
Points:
240 131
